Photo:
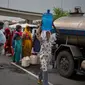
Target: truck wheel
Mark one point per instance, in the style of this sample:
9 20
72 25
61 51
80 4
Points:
65 64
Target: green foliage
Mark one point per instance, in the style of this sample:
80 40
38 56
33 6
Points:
58 12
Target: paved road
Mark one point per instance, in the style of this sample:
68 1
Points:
56 79
11 75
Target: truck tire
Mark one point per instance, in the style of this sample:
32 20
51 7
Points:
65 64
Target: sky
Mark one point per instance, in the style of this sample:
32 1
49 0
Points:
42 5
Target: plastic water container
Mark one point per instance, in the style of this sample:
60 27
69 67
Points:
34 59
47 21
83 64
25 62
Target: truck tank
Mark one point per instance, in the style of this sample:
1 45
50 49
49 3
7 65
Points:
71 29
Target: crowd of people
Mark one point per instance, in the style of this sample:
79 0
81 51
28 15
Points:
21 44
18 44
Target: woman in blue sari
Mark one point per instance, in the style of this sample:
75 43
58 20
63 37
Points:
17 44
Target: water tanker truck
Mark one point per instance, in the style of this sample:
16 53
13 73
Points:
70 50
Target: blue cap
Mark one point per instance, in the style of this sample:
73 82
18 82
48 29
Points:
48 11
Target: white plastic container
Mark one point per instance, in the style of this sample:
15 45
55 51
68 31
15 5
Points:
83 64
25 62
34 59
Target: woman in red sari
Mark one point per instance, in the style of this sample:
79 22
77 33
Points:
8 44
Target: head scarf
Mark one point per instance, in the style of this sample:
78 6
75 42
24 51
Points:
28 33
18 33
43 34
26 29
7 31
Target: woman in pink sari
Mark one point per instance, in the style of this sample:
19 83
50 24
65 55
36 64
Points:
8 44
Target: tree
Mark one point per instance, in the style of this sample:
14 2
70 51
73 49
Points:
58 12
